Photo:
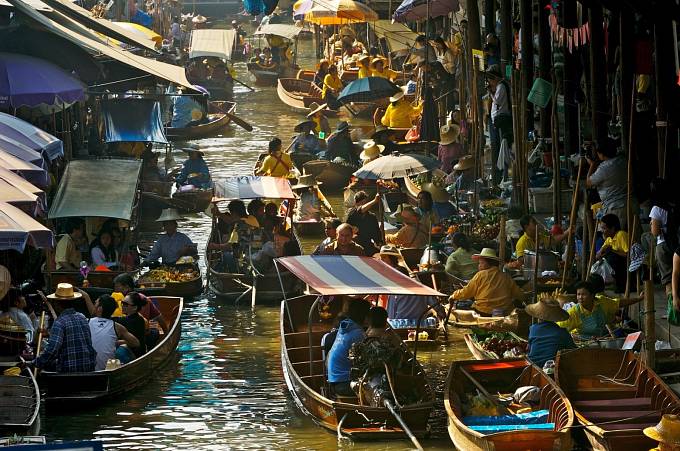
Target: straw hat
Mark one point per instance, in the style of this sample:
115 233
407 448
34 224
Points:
377 60
192 149
403 208
371 151
448 133
667 431
315 108
199 19
486 253
65 292
438 194
306 181
169 214
398 96
465 163
5 281
389 249
300 126
547 310
363 58
7 324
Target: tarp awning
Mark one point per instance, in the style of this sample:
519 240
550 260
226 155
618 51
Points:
279 29
217 43
133 120
97 188
398 35
343 274
253 187
18 229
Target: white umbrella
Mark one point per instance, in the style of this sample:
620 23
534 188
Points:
395 166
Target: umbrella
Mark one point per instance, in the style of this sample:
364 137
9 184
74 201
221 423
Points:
20 151
414 10
18 181
395 166
367 90
30 136
32 82
301 7
21 198
30 172
18 229
429 122
141 31
337 12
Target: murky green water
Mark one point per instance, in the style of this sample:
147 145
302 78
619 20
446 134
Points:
225 388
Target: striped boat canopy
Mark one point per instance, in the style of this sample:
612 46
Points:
344 274
252 187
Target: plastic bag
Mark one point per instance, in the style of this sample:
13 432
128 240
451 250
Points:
413 135
604 269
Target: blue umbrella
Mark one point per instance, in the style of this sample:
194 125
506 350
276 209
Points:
413 10
367 90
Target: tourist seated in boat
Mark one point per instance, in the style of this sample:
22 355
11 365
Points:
135 323
194 171
109 338
271 218
493 291
13 306
171 245
330 229
305 141
364 65
69 347
236 228
593 313
311 205
360 216
341 149
322 128
666 432
124 284
350 331
184 109
449 150
400 113
321 72
371 151
615 249
413 233
67 256
526 241
276 163
546 338
344 243
281 245
332 85
378 69
102 250
459 263
266 57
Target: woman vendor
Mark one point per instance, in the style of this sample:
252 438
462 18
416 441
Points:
364 66
546 338
378 69
400 113
277 163
460 263
322 128
615 249
332 85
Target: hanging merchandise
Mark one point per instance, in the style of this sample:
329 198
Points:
571 38
257 7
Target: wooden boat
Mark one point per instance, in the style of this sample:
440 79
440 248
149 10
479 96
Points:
217 120
472 340
307 383
334 176
186 289
490 377
19 399
615 396
97 280
299 93
72 390
194 201
267 75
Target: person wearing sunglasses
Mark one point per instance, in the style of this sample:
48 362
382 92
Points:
133 321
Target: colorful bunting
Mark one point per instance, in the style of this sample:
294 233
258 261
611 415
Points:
570 37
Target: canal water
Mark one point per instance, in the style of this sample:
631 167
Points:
225 387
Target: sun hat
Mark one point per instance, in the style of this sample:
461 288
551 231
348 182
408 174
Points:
363 58
465 163
192 148
438 194
377 60
315 108
637 257
371 151
398 96
667 431
342 126
389 249
494 71
547 310
301 125
199 19
64 292
5 281
169 214
402 208
486 253
448 133
306 181
379 131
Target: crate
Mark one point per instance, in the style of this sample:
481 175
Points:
541 199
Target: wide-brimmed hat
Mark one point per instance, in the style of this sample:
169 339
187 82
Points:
342 126
465 163
64 292
547 310
493 71
448 133
377 60
169 214
438 194
637 257
486 253
398 96
371 151
315 108
192 149
667 431
199 19
380 130
363 58
402 208
301 125
5 281
306 181
389 249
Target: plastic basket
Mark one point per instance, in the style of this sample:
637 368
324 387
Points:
541 199
540 93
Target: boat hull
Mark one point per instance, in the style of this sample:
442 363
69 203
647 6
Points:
217 120
19 400
334 176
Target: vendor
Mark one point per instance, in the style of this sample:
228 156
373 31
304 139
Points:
194 170
378 69
383 136
449 150
332 85
277 163
460 263
310 206
546 338
305 141
400 113
493 291
463 176
341 149
322 128
428 214
526 241
172 245
364 66
615 249
184 110
371 152
413 233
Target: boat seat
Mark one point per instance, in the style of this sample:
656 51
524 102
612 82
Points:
302 368
301 354
347 399
635 415
624 426
613 404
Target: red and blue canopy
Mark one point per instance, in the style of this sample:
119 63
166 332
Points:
350 275
252 187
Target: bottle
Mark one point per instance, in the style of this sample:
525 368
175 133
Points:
411 335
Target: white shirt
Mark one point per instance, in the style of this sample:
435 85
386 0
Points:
500 101
103 333
660 215
21 318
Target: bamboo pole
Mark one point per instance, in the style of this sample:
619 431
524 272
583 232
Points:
502 242
650 324
572 224
536 262
591 258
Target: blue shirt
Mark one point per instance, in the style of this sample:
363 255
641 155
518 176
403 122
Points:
200 167
339 365
182 106
70 345
401 306
545 339
168 248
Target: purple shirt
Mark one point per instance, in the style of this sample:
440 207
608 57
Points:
449 154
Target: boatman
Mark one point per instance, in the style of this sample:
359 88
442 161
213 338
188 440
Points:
400 113
195 170
277 163
344 243
173 244
341 149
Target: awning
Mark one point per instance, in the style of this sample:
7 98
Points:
18 180
97 188
8 146
18 229
30 136
103 26
282 30
28 171
398 35
21 198
253 187
133 120
217 43
169 72
36 4
341 274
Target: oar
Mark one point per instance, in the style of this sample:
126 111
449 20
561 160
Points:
237 120
40 335
243 84
404 426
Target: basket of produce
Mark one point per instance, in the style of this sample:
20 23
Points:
496 345
169 274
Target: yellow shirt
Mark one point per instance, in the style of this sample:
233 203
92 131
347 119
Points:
333 82
118 297
364 72
385 73
67 252
526 242
618 242
276 167
408 236
576 314
491 289
400 115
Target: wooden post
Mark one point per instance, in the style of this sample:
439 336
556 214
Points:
572 224
650 324
536 263
527 37
627 74
544 61
598 74
570 84
502 243
506 37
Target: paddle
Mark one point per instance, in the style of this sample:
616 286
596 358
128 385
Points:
243 84
237 120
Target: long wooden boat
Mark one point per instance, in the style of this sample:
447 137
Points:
615 396
491 377
71 390
298 94
334 176
185 289
478 351
194 201
306 381
217 120
267 75
19 399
